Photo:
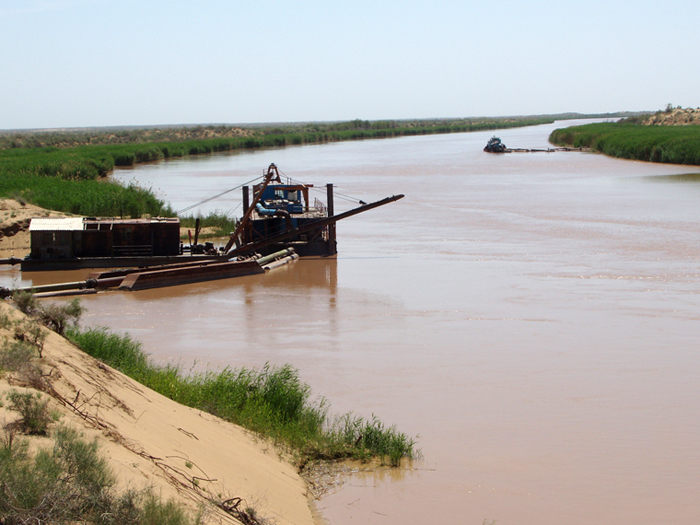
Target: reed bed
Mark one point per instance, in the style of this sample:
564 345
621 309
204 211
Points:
73 179
82 197
625 140
271 401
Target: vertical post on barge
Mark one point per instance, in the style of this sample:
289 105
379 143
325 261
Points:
332 246
271 171
246 196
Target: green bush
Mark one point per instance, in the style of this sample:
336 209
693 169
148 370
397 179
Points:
16 356
58 317
5 321
34 414
29 331
72 482
25 302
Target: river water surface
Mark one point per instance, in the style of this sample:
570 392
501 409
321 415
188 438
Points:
533 318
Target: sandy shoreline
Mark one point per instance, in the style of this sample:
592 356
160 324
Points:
149 440
14 226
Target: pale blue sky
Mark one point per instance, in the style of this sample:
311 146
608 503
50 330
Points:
76 63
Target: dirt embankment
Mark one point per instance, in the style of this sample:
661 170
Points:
674 117
151 441
14 226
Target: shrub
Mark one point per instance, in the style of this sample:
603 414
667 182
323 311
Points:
72 482
16 356
59 317
25 302
34 414
54 316
156 512
30 332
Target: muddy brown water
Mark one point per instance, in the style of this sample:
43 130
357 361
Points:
534 318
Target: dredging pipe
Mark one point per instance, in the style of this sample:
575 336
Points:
49 288
281 262
262 261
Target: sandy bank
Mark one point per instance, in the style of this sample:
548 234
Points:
675 117
14 226
152 441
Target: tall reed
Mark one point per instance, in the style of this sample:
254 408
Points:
271 401
628 140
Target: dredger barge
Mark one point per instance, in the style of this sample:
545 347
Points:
279 224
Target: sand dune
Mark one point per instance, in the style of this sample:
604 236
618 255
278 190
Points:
152 441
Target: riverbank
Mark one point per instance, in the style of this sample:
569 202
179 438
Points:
151 441
271 403
671 137
66 170
14 226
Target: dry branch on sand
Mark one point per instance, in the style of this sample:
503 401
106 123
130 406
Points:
151 441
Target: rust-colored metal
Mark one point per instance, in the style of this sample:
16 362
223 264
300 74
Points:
321 223
271 171
332 245
192 274
108 237
196 230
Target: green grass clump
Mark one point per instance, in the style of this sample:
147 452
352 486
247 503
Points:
222 223
271 401
71 482
628 140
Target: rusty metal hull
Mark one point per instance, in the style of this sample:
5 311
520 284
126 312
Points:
79 263
190 274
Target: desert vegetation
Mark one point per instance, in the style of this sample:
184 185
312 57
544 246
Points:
271 401
214 224
68 481
67 170
65 478
634 139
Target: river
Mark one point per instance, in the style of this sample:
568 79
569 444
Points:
534 318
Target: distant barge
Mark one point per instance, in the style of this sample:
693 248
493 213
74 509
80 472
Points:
494 145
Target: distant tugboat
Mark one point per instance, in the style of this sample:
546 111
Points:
495 146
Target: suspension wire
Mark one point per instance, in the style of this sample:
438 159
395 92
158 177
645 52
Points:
295 181
188 208
348 198
342 196
335 193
